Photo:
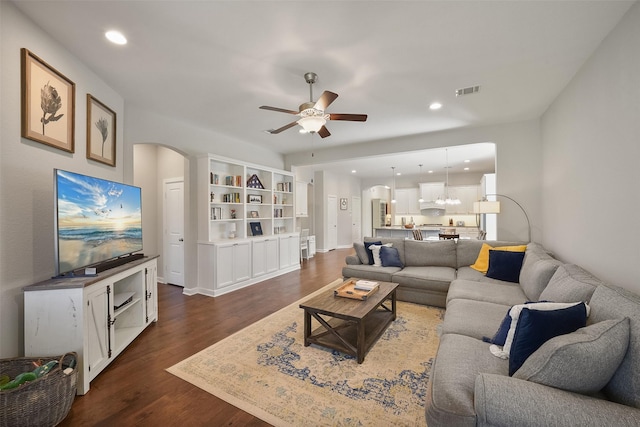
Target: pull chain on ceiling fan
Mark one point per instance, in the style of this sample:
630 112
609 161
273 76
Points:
312 114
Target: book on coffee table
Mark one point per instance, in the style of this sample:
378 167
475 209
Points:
365 285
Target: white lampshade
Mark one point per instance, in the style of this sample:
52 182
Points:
312 123
486 207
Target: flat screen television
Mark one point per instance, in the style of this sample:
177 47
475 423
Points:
96 221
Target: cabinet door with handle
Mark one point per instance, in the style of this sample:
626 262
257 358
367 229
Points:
99 334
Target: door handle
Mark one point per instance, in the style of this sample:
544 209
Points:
181 240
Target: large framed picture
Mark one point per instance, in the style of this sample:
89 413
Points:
101 132
48 103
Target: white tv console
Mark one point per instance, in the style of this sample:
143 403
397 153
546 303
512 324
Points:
77 314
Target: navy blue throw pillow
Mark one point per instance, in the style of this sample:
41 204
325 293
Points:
501 335
369 253
390 257
535 327
505 265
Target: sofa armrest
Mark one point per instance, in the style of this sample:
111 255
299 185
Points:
352 260
505 401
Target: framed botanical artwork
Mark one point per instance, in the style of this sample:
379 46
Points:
343 204
255 198
254 214
101 132
48 103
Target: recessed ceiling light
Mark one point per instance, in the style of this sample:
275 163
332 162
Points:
398 173
353 171
467 161
435 106
430 172
116 37
466 169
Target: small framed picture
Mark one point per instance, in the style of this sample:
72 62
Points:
48 104
256 228
343 204
254 214
255 198
101 132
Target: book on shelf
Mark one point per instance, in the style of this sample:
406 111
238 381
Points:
284 186
365 285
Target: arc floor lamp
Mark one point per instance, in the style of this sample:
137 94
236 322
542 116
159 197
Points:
493 207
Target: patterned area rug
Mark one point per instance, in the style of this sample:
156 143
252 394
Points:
265 370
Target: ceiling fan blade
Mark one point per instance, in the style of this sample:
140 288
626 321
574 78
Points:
349 117
280 110
325 100
283 128
324 132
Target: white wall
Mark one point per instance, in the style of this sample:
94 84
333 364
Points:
591 149
26 173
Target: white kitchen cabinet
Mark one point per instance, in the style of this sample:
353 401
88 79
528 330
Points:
78 314
407 201
431 191
302 204
289 252
468 194
264 256
232 263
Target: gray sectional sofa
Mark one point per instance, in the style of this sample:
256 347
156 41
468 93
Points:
590 377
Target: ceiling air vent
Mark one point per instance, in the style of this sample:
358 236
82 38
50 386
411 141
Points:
467 90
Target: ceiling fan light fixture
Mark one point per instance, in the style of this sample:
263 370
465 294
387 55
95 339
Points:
312 124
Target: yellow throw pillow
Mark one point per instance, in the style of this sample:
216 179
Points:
482 262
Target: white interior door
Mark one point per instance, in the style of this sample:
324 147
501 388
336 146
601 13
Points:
174 232
356 219
332 222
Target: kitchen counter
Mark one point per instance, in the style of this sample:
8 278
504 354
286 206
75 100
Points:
429 232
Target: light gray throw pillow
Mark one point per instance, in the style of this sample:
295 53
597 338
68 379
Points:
361 252
570 283
583 361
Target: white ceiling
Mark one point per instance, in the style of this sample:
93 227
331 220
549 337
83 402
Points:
213 63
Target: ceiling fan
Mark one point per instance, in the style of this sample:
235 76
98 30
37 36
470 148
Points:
312 115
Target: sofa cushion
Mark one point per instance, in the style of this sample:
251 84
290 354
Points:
497 292
611 302
537 269
535 327
505 265
395 242
452 383
482 262
583 361
361 252
476 319
570 283
468 249
389 257
367 247
440 253
369 272
432 278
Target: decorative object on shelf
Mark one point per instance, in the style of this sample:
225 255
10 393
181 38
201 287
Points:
343 203
231 230
254 182
254 198
48 104
448 200
256 228
233 214
212 196
101 132
493 207
254 214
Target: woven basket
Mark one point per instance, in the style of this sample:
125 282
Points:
43 402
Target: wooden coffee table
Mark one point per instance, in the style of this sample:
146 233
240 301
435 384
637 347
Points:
348 325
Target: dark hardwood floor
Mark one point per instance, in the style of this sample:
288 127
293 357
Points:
135 389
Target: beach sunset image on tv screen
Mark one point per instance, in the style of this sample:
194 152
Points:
97 220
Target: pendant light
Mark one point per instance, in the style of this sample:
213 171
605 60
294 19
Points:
393 184
448 200
420 200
